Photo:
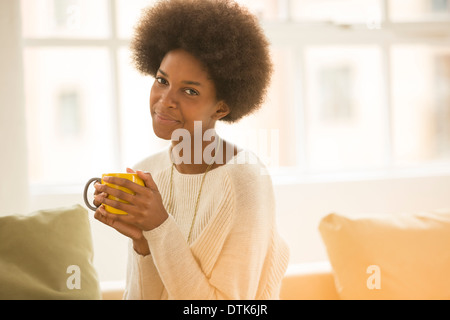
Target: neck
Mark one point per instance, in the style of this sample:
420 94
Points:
194 157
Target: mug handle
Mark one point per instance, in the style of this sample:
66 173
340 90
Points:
86 187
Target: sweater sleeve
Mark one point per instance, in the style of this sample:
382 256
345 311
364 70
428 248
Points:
235 259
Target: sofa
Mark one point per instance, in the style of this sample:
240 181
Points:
48 255
378 257
371 257
302 281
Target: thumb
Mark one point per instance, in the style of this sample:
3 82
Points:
129 170
148 180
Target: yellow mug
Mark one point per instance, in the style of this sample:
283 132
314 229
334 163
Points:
133 177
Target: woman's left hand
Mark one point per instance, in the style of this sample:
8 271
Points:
145 208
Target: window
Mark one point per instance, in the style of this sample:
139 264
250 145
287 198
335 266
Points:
419 10
69 114
358 86
87 107
343 115
421 104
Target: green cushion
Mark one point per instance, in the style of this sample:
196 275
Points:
47 255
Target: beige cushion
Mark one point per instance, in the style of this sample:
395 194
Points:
308 281
47 255
403 256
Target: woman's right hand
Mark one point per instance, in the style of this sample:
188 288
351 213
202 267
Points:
139 242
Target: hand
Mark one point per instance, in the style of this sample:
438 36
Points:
99 197
126 229
145 208
97 193
140 244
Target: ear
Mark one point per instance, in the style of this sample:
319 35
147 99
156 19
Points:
222 110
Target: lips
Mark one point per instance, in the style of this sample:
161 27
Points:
164 118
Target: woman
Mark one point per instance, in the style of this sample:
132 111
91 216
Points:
203 227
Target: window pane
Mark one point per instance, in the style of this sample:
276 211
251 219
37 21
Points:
65 18
128 14
268 10
271 131
344 11
70 136
345 111
410 10
421 103
137 138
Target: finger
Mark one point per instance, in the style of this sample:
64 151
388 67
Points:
96 201
98 198
107 190
105 217
100 214
97 187
128 208
122 182
115 222
129 170
98 191
97 215
148 180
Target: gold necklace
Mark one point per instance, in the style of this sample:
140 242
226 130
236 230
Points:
200 191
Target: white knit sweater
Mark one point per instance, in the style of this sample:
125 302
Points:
235 251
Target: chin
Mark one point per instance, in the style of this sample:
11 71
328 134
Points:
162 133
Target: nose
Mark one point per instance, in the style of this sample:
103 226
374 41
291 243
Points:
168 99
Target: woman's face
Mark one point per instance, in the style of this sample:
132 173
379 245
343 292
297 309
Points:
181 94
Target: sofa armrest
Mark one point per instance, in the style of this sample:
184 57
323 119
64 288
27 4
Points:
112 290
309 281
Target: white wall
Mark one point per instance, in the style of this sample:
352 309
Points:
13 160
301 206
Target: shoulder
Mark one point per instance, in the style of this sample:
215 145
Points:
250 181
154 163
247 169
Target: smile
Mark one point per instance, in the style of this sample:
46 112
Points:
164 119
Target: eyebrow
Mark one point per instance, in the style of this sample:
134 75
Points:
195 83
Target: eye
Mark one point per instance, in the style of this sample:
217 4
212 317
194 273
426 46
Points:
191 92
162 81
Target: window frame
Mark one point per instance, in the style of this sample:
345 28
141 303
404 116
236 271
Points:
286 34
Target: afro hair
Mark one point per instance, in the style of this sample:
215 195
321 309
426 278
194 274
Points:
222 35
